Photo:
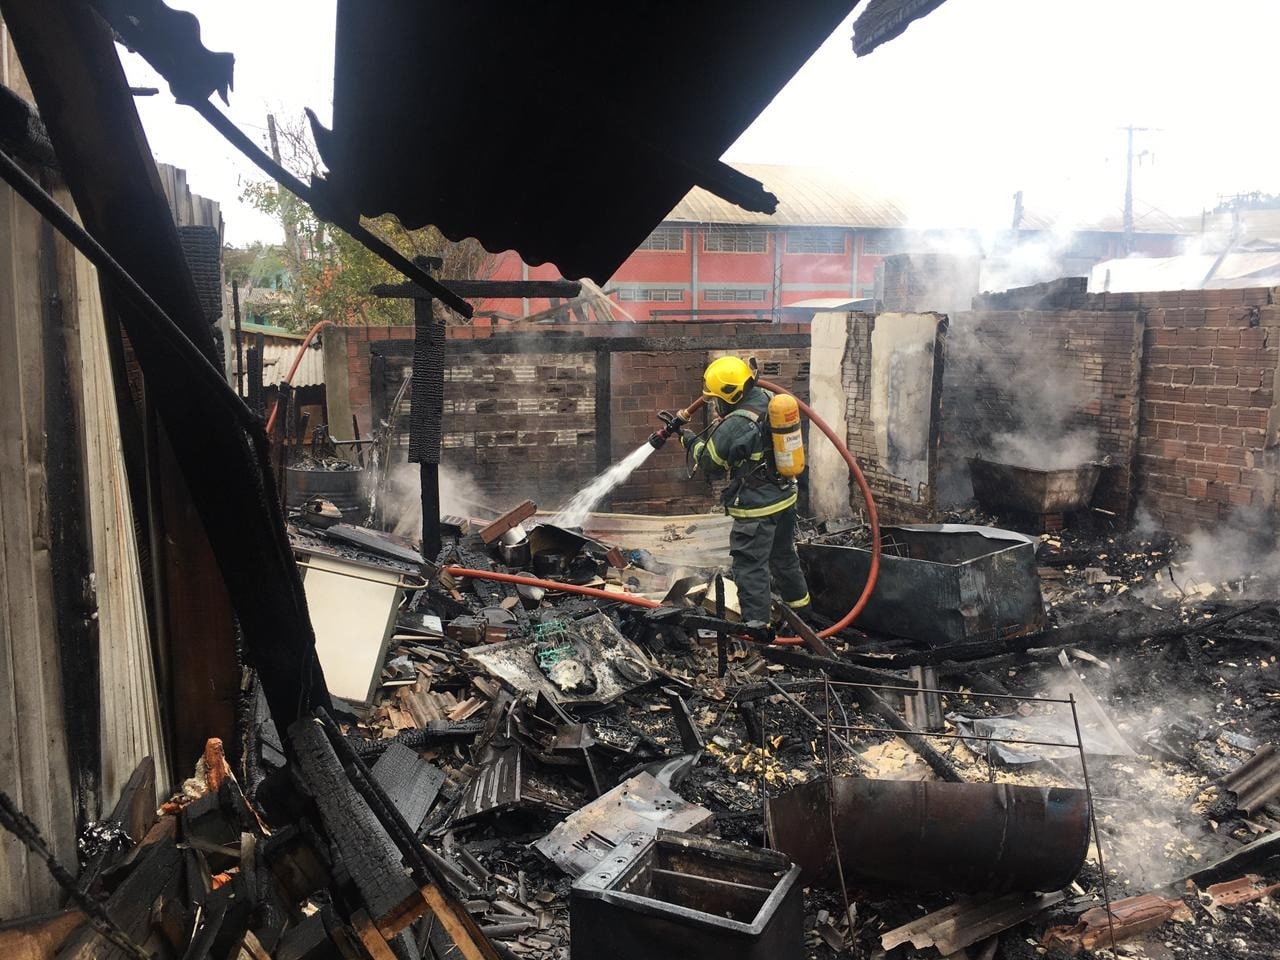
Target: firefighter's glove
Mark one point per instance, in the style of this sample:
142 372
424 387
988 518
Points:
687 438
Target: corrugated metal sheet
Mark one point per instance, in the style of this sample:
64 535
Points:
807 197
1187 272
605 136
1256 782
277 358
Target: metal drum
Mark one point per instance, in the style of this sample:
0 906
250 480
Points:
913 835
345 489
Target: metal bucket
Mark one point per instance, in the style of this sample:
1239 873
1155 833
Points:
343 488
910 835
1007 486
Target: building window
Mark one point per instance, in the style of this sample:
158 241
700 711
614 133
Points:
734 294
815 241
665 238
878 245
721 240
651 294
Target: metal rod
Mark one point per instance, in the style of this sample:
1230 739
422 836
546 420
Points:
832 815
954 693
380 248
821 726
235 308
1093 822
949 736
722 641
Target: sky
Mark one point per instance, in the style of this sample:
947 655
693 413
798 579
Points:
978 100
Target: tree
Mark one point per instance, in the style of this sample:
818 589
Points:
329 272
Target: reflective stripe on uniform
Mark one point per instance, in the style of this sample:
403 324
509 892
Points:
768 511
711 451
802 602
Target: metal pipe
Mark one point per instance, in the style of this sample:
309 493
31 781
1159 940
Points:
927 835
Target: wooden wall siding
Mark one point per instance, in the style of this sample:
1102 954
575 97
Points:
34 756
131 716
33 760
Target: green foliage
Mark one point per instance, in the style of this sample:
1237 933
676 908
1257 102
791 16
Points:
329 273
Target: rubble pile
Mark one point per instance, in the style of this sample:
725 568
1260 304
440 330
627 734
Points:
537 771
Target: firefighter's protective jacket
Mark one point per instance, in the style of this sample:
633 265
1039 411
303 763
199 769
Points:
739 446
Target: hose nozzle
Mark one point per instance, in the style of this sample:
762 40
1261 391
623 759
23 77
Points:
671 424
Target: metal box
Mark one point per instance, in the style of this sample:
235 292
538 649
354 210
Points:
1007 486
939 583
689 897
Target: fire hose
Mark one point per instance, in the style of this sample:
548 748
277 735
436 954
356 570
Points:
673 426
297 361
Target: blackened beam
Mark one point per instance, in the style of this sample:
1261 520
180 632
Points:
488 289
136 36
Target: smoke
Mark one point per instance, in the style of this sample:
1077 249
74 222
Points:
459 496
1008 397
1041 450
1242 554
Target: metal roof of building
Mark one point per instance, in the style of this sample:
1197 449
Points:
807 197
277 358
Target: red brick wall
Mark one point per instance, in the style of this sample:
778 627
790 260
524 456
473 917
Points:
1081 366
1206 440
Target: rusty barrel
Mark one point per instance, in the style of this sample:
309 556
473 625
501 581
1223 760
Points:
910 835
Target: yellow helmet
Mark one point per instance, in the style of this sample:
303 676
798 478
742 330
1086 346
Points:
727 379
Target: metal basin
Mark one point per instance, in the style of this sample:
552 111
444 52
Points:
907 835
939 583
1006 486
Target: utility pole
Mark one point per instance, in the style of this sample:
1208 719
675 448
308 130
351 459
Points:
1127 244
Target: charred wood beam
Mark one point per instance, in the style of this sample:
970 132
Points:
486 289
220 447
70 540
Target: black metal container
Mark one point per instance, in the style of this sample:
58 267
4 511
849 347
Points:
696 898
939 583
345 489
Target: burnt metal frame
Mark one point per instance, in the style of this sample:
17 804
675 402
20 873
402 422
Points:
828 686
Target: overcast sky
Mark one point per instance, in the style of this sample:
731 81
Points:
979 99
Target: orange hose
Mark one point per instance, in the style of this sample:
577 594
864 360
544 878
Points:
306 342
631 598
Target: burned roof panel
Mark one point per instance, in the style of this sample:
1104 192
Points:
563 131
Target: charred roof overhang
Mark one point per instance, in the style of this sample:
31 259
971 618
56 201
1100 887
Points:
882 20
563 131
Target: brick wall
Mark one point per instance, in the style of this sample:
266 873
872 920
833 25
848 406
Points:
644 383
524 424
1206 425
1207 438
1035 377
897 499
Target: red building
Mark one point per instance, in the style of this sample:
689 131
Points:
825 245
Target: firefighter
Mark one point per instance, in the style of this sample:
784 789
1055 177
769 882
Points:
760 500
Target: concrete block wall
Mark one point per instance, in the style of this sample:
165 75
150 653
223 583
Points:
1041 374
520 425
524 424
871 427
644 383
